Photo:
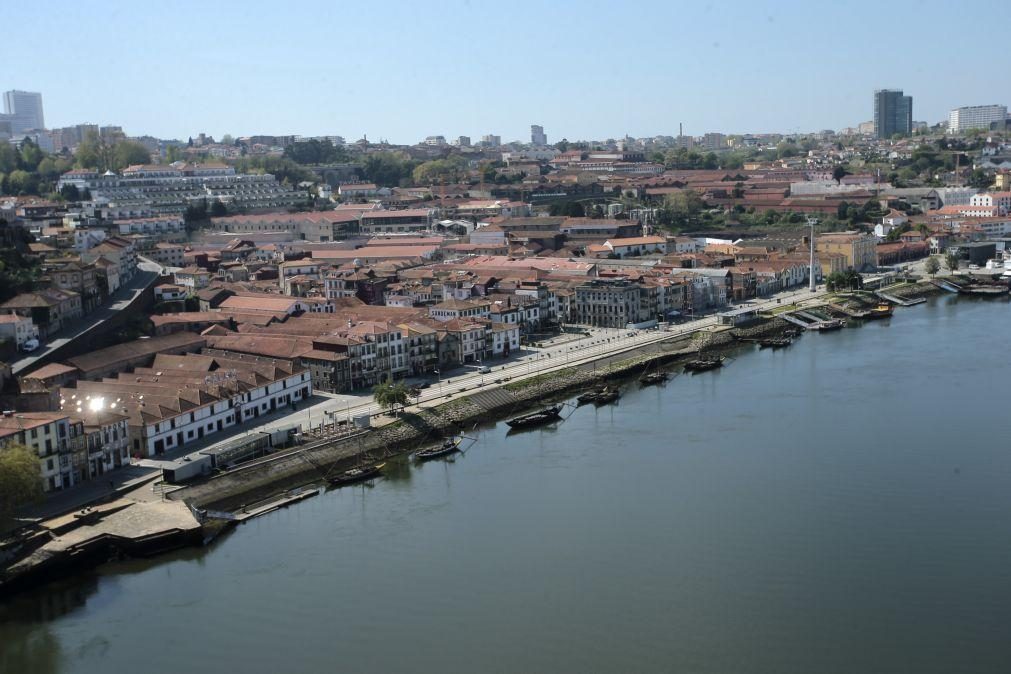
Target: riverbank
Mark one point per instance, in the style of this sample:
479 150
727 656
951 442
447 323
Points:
268 480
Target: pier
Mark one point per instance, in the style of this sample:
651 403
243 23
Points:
899 300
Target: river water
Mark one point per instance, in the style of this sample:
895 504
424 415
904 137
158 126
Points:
843 505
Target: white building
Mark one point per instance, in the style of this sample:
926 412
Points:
181 399
998 200
24 111
19 329
975 117
52 436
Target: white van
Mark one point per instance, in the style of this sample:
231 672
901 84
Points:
30 345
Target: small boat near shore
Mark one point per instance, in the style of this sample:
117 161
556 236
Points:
774 343
827 325
356 474
704 364
449 446
651 378
883 310
544 416
986 290
599 396
607 396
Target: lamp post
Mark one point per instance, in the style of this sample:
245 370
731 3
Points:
814 285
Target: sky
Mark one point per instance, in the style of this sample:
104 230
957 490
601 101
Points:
584 69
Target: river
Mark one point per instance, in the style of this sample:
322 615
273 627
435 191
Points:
843 505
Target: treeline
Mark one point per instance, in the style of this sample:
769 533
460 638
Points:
28 170
18 273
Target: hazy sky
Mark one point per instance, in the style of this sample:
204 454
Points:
402 70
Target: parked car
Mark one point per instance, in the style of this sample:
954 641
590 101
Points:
30 345
485 370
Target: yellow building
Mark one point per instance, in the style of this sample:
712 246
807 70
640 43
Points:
831 263
859 250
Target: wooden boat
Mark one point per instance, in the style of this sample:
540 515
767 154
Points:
590 396
356 474
882 310
774 343
607 396
986 289
658 377
703 364
449 446
827 326
546 415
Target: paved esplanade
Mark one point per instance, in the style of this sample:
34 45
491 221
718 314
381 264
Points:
531 363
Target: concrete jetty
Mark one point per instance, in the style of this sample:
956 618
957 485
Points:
138 524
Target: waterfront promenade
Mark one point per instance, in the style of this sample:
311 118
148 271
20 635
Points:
794 511
558 354
531 362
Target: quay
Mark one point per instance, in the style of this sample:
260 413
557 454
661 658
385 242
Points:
156 516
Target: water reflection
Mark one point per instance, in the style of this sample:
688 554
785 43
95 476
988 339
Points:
798 511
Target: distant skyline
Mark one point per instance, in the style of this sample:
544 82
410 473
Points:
583 70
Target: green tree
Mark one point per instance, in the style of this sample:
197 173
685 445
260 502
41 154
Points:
195 214
22 182
390 395
127 153
574 209
174 153
93 153
932 266
70 193
449 169
20 481
951 262
316 152
682 208
388 169
47 169
31 155
9 159
838 173
979 179
218 209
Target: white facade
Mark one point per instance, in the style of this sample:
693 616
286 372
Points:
999 200
195 424
18 328
975 117
25 110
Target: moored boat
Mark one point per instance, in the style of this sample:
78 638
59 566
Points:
449 446
882 310
986 289
546 415
590 396
356 474
828 325
774 343
607 396
704 364
658 377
